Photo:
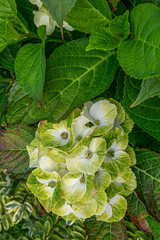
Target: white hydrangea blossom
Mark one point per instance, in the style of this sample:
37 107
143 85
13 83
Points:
83 165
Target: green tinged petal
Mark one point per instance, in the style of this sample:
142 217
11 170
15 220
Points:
82 210
74 187
106 214
118 164
120 136
90 190
38 189
71 160
120 113
127 125
102 179
101 199
119 207
132 155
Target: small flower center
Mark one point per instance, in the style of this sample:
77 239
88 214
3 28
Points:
89 124
64 135
110 153
82 180
79 138
89 154
52 184
96 122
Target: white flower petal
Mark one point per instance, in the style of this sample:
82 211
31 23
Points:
47 164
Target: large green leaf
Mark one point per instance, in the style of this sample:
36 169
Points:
137 212
147 171
149 88
73 76
13 152
8 9
18 103
147 114
30 69
88 14
98 230
59 9
155 227
140 55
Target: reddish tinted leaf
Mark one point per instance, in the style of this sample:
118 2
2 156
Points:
97 230
137 213
13 153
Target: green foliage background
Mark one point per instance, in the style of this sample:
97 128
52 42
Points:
114 51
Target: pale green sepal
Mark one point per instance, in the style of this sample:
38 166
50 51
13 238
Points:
53 203
118 164
88 165
106 214
43 126
124 176
120 113
119 207
82 210
84 142
57 155
102 114
127 125
33 155
64 210
132 155
130 185
71 217
121 139
102 179
114 189
46 177
74 187
124 185
38 189
101 199
47 164
98 145
71 159
90 190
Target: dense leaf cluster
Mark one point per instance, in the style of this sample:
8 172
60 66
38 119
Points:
95 49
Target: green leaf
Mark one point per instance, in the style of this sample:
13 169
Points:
155 227
119 26
18 103
137 212
146 115
2 34
30 69
102 39
149 88
139 138
140 55
58 9
8 9
97 230
18 215
147 172
13 152
88 14
73 76
7 57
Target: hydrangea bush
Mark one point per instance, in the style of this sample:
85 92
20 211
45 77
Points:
83 163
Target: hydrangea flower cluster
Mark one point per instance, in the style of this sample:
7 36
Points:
43 17
83 163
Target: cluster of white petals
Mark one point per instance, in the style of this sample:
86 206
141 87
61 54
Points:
83 164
